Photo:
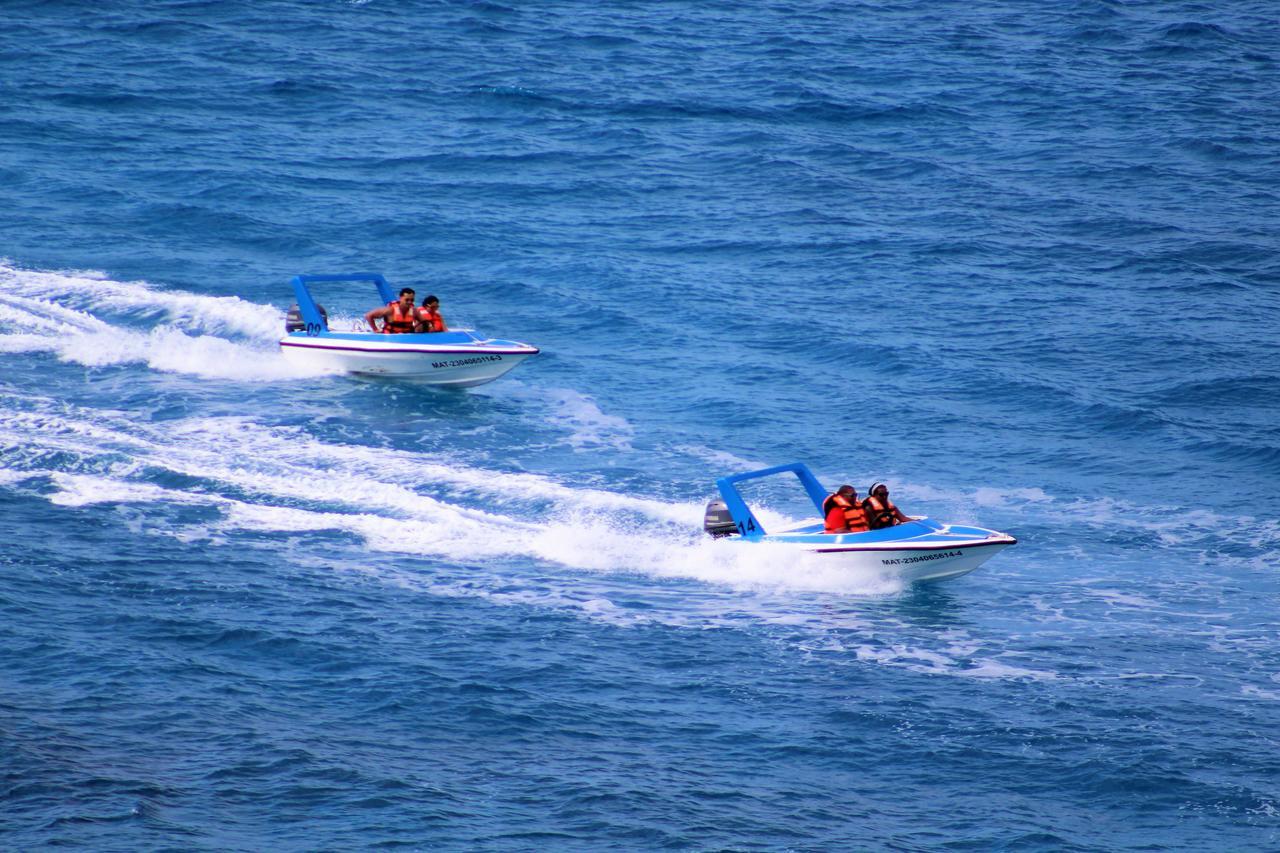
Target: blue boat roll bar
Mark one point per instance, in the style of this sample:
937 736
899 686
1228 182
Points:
743 518
307 307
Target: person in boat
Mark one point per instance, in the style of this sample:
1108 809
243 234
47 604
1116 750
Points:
397 317
843 513
428 317
879 510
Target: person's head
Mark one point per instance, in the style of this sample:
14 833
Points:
879 490
406 296
847 491
430 302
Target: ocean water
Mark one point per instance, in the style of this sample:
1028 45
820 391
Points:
1018 260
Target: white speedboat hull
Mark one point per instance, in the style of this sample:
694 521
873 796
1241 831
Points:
919 550
915 565
463 365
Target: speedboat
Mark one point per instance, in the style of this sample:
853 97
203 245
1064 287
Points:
460 358
916 550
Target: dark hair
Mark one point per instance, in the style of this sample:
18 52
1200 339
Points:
846 486
405 290
427 299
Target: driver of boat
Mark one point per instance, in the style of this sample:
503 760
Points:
843 513
397 317
880 511
428 316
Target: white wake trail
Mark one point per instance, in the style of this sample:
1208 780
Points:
85 318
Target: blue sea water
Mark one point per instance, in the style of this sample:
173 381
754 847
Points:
1019 260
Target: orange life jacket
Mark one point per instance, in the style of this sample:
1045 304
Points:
880 514
432 319
399 322
843 515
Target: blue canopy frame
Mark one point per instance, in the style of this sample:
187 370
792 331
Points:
307 307
743 518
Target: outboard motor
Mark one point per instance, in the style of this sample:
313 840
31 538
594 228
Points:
718 522
293 321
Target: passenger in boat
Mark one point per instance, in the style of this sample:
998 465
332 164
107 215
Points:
879 510
397 317
843 513
428 316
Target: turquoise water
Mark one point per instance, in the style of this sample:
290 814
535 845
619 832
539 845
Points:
1018 262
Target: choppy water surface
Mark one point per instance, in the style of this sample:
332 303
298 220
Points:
1019 262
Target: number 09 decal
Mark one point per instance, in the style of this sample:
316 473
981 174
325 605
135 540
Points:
314 329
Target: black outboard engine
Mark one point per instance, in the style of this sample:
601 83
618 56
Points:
718 522
293 321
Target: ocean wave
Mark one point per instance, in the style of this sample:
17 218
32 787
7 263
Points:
1195 31
1225 392
1099 35
1215 150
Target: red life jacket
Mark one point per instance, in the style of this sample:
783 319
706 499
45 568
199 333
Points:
399 322
431 319
843 515
880 514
